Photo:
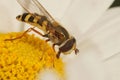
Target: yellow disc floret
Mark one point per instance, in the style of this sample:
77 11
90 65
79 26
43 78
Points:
24 58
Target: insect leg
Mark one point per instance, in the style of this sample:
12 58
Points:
28 30
47 40
37 32
53 46
45 35
58 54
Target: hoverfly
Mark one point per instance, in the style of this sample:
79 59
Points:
38 16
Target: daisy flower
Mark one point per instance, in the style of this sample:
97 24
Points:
95 27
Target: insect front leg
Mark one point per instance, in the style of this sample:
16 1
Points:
53 46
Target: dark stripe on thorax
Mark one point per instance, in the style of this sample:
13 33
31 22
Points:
24 16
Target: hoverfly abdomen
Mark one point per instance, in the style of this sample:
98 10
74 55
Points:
41 20
35 20
31 18
24 16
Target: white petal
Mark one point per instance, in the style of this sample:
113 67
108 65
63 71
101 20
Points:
108 41
99 53
107 34
48 75
112 68
8 12
56 7
86 66
81 14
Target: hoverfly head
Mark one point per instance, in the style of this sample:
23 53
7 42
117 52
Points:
69 46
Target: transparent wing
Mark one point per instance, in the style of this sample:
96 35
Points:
34 6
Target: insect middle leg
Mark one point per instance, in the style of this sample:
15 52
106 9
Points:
53 46
58 54
28 30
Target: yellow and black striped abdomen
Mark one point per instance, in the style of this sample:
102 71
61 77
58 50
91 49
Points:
34 19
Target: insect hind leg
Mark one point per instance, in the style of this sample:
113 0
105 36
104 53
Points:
28 30
25 32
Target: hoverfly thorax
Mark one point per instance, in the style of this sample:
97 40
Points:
60 33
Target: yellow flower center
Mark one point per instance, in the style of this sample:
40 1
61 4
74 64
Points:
24 58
